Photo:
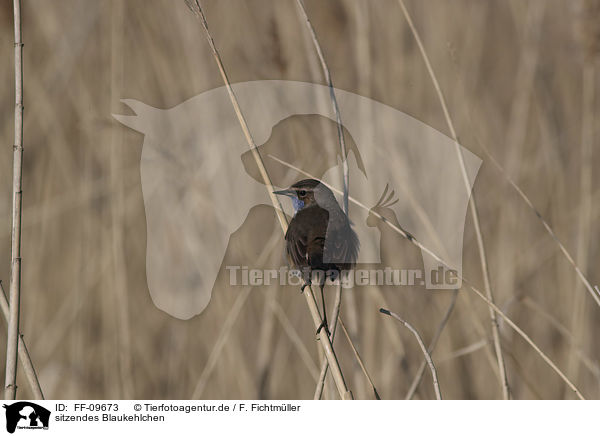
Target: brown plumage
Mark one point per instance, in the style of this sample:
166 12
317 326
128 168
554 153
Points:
320 236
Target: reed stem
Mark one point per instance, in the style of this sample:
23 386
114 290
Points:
12 344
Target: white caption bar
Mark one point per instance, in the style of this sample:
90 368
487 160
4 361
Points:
299 417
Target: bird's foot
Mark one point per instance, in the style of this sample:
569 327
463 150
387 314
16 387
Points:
306 283
323 326
332 275
408 235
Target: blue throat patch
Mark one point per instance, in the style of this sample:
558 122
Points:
298 204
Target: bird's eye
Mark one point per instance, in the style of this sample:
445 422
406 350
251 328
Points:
301 193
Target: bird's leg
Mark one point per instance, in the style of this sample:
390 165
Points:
307 278
324 323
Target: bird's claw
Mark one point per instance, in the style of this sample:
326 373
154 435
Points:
307 283
323 326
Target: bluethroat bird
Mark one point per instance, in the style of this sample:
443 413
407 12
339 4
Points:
320 236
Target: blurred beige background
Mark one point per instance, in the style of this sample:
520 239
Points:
519 77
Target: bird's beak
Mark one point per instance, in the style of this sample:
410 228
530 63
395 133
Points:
286 192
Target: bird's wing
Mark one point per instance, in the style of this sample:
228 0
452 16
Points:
318 222
295 246
343 246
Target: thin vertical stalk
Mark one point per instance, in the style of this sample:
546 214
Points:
472 204
436 385
324 365
118 205
417 380
12 344
585 214
338 377
336 109
345 180
359 360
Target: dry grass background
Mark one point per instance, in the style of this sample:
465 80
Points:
517 76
